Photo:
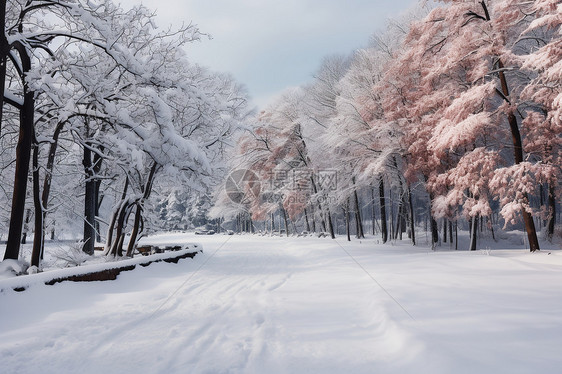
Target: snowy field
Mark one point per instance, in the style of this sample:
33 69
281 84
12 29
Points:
252 304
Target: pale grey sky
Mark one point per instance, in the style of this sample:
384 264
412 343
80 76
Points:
269 45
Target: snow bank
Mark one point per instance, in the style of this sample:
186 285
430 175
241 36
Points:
101 271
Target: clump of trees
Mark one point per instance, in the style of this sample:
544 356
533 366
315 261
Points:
457 109
101 111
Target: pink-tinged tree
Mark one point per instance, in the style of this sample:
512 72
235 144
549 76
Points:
465 97
254 153
543 124
290 168
411 101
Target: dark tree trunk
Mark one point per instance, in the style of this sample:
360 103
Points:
285 220
358 221
412 219
89 201
400 219
313 218
444 230
123 217
23 156
4 50
434 231
551 211
373 215
541 198
473 232
113 222
392 228
38 235
402 216
138 214
136 227
306 219
322 212
346 215
97 168
433 224
456 235
38 251
330 224
384 230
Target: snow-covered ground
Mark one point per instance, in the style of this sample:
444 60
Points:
252 304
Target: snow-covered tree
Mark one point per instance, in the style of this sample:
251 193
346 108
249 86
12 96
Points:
459 86
129 98
543 124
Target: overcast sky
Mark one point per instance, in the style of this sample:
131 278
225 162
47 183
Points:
269 45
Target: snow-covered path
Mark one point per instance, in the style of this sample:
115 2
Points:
277 305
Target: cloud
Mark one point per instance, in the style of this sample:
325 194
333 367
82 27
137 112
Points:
269 44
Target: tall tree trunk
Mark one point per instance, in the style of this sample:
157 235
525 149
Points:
38 235
358 221
285 220
330 224
373 215
402 215
473 232
98 199
4 50
359 233
551 211
147 190
412 219
456 235
113 222
322 212
123 217
346 215
134 234
444 230
392 228
541 203
47 189
89 201
306 219
433 224
23 156
384 230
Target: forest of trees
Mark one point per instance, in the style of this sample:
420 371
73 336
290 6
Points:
105 124
452 117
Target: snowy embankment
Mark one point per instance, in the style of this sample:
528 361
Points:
99 268
252 304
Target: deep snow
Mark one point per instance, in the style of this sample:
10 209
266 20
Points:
253 304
